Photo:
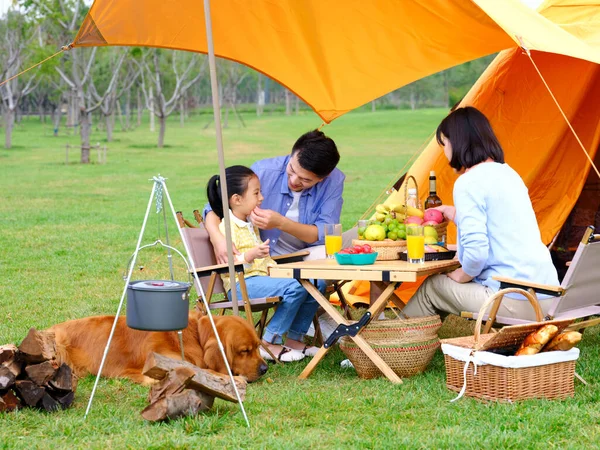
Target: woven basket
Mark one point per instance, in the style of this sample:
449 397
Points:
406 345
550 381
442 230
387 249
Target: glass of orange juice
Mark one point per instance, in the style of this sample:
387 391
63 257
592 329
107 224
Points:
415 244
333 239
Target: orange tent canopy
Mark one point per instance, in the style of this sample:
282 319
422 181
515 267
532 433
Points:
535 137
338 54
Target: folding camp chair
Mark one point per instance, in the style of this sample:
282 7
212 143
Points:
208 272
577 297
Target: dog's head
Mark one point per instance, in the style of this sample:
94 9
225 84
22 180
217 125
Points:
241 346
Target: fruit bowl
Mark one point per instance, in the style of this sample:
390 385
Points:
359 259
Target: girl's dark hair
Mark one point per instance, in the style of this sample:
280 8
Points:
471 136
237 183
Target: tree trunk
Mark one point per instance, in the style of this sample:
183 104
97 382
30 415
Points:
9 121
288 103
152 112
109 127
297 105
446 89
139 108
120 114
260 96
162 120
85 130
181 112
57 118
373 107
127 109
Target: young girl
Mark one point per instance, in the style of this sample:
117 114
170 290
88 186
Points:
297 308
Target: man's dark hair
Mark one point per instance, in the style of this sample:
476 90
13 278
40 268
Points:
471 136
316 153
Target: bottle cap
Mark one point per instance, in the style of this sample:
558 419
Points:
412 191
432 173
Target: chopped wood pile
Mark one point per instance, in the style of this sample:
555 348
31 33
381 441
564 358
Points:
30 376
184 389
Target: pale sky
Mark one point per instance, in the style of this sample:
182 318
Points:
5 4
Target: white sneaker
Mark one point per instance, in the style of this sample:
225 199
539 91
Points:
346 364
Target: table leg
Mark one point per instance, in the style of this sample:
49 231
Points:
311 365
375 309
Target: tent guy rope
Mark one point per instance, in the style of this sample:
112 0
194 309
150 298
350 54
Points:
587 155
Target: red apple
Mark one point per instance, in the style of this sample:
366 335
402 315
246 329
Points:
413 219
433 215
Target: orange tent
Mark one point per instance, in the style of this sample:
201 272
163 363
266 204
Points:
537 141
338 54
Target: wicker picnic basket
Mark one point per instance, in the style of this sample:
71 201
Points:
387 250
406 345
504 384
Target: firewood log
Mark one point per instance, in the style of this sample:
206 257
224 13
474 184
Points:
174 383
7 378
9 402
188 402
41 373
64 381
7 352
30 392
38 346
216 384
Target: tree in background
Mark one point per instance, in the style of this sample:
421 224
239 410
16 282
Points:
15 53
167 74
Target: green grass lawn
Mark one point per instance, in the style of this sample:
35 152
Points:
69 230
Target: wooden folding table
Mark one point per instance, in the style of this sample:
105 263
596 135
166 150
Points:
392 272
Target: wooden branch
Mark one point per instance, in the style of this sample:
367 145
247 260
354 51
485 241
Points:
157 367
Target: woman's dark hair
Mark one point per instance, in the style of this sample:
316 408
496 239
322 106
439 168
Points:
471 136
316 153
237 183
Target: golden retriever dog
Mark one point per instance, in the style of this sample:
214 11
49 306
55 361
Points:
81 342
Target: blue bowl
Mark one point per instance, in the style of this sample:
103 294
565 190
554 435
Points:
359 259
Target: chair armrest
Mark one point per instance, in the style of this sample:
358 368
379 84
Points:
291 257
218 268
548 289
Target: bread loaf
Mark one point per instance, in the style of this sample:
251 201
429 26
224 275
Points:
534 342
564 341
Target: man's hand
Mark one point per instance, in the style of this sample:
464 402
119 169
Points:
266 219
260 251
220 248
459 276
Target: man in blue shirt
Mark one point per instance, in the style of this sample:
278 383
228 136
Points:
302 192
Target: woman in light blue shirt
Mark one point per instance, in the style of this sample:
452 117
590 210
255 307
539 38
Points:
498 233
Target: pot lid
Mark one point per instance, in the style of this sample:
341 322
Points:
159 285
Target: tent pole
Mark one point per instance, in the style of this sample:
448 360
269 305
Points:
217 116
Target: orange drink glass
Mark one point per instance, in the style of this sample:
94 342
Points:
415 244
333 239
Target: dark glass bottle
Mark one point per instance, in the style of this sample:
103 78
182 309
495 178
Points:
433 200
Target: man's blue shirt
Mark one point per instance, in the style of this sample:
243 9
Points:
319 205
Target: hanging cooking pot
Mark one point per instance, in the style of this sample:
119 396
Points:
158 305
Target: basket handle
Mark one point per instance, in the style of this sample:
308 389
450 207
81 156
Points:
497 299
408 178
